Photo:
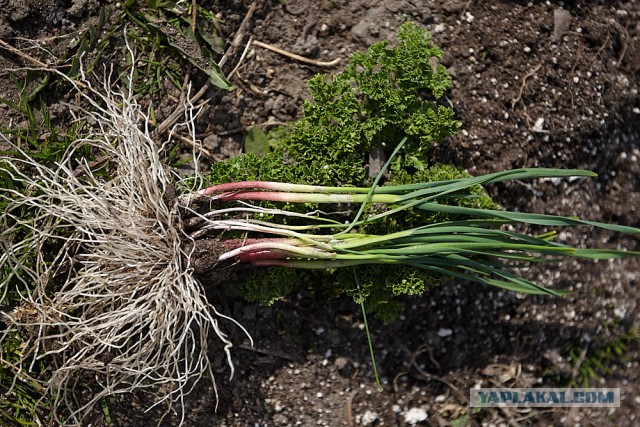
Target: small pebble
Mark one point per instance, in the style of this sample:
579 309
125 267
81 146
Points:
538 126
469 17
415 415
369 417
444 332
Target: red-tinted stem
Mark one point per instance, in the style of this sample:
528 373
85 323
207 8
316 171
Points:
262 256
242 185
276 196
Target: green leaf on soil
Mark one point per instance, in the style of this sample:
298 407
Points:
256 142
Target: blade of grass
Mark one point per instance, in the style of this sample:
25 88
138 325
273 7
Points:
532 289
366 328
527 218
509 175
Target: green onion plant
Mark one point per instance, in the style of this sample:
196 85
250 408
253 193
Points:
477 248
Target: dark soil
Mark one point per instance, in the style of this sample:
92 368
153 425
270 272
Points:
533 87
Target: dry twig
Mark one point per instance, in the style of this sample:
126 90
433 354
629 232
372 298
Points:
523 84
296 57
348 408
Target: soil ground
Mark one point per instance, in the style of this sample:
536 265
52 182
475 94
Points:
533 86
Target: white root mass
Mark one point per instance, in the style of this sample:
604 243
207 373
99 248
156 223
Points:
107 285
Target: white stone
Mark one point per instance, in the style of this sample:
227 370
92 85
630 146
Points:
369 417
414 415
538 126
444 332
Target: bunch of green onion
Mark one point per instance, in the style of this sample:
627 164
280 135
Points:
476 248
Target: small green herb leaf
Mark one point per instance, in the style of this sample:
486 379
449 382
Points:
256 142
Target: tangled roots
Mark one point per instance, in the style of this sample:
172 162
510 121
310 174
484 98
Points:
105 277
